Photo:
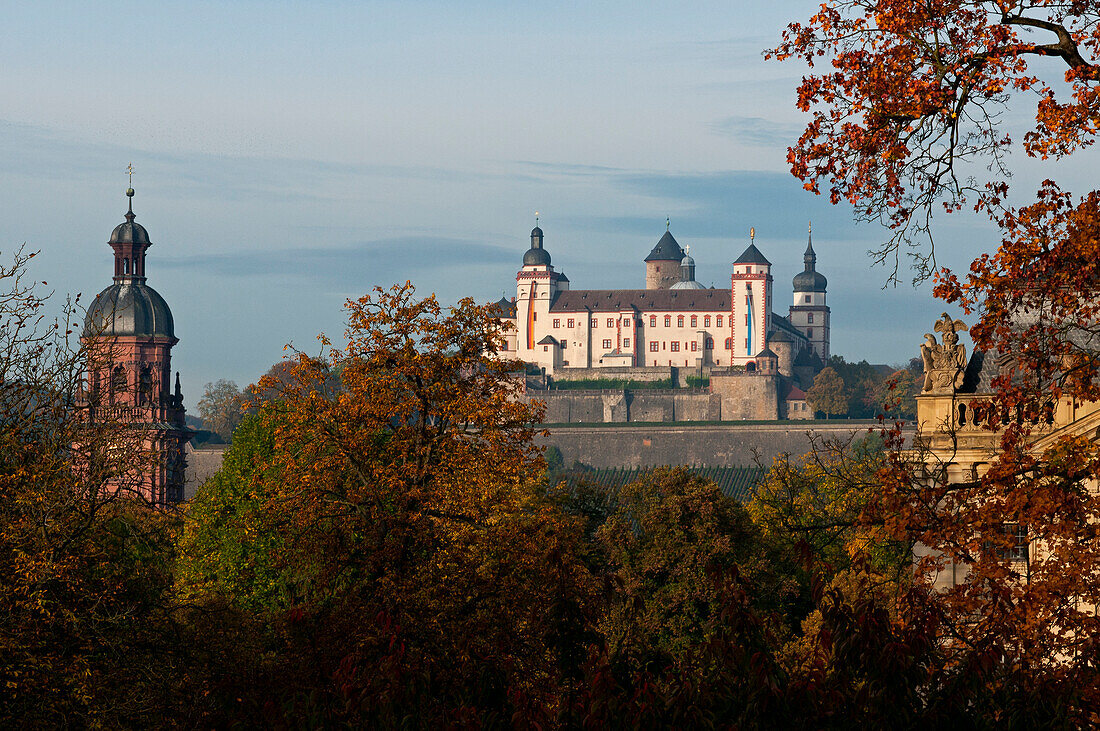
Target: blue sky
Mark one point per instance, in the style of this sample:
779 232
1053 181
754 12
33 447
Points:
291 155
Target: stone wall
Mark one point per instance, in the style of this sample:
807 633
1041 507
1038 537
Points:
202 463
726 445
619 406
627 373
747 396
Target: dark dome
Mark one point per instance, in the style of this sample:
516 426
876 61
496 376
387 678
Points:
536 231
129 232
129 308
536 257
810 282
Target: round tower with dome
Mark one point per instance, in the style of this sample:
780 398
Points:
128 334
809 311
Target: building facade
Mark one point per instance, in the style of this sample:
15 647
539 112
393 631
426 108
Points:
674 321
128 335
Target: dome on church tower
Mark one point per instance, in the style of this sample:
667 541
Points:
129 310
129 307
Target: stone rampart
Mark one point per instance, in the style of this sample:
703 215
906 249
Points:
724 445
630 405
626 373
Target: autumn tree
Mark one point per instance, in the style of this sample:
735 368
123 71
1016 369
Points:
906 124
393 480
221 408
85 567
828 394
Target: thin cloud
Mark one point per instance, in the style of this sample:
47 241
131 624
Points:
757 131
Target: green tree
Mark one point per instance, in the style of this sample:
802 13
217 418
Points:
828 394
229 545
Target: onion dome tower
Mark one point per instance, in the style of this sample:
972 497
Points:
687 274
662 266
537 286
128 335
809 311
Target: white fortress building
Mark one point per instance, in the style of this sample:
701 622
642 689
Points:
673 322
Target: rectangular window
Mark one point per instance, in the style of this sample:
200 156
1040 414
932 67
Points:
694 321
654 346
626 343
546 348
719 324
626 322
595 322
607 343
809 317
675 346
557 322
679 321
1018 551
706 320
694 346
668 320
810 332
653 321
571 322
807 299
611 322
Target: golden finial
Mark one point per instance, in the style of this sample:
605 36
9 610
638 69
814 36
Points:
752 234
810 227
130 172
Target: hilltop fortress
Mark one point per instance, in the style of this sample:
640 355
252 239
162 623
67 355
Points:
758 362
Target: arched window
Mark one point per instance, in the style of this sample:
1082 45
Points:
710 344
750 366
729 343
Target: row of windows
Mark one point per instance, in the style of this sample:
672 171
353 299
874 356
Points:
680 321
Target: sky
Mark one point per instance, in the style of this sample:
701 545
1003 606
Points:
291 155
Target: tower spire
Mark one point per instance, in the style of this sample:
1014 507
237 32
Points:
130 192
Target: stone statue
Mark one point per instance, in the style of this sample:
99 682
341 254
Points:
944 364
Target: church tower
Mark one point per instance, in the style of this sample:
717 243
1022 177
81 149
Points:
129 334
537 285
750 304
809 311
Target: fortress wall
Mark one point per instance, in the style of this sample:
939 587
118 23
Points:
709 446
617 405
571 407
650 373
746 396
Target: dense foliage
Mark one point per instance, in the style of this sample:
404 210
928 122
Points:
382 547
